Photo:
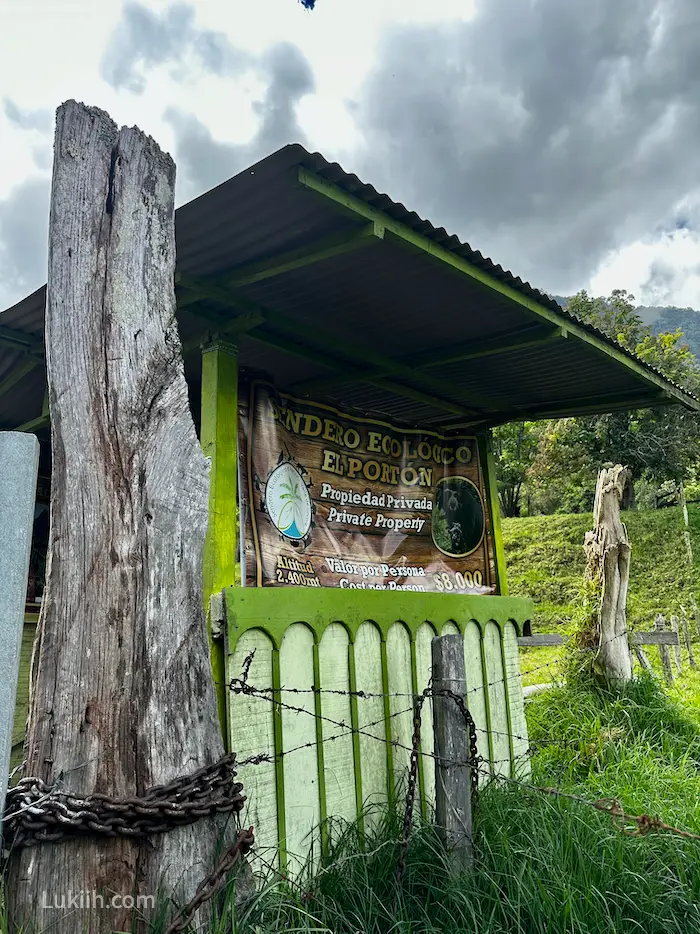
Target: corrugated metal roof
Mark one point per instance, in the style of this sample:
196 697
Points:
389 300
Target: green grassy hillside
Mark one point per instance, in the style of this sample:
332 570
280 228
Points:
545 561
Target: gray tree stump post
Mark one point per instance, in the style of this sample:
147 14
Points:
677 648
696 613
664 651
453 807
689 554
122 692
19 464
607 550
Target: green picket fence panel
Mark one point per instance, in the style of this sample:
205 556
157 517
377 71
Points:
338 753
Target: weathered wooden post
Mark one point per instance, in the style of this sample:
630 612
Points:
664 651
122 695
688 640
642 658
677 648
19 463
689 554
453 808
608 565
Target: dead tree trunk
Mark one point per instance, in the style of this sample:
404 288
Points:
122 693
608 565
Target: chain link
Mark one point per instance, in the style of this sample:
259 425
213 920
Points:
37 812
209 886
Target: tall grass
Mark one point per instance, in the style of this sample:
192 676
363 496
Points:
542 865
545 560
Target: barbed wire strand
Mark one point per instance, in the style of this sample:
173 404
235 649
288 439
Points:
611 806
644 822
363 695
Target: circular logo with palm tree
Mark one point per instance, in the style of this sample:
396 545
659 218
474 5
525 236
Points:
288 502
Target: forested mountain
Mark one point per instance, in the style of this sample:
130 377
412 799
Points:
665 318
671 318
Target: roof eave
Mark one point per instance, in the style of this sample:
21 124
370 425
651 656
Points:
567 323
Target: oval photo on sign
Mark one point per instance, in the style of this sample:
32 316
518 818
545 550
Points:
457 523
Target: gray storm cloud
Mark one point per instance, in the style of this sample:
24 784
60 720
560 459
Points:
27 119
24 218
24 212
204 161
544 133
145 39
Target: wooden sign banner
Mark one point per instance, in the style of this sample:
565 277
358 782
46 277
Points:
330 499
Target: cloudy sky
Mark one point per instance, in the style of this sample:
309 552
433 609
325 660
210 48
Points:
559 137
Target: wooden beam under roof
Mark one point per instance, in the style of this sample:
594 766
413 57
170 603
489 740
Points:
358 363
351 373
280 263
532 335
17 375
580 407
20 340
524 338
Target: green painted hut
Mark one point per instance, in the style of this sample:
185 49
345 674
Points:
347 361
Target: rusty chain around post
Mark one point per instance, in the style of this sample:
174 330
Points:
37 812
472 762
209 886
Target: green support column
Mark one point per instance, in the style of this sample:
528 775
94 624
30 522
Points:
489 467
219 439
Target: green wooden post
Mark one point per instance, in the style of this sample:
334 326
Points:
219 439
488 465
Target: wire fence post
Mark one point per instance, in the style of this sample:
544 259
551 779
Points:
642 658
453 805
664 652
19 463
688 642
677 648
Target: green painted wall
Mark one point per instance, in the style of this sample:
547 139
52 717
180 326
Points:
309 643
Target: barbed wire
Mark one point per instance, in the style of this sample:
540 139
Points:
622 819
273 696
481 765
241 686
348 731
366 695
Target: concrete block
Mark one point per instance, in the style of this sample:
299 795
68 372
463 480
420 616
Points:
19 464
